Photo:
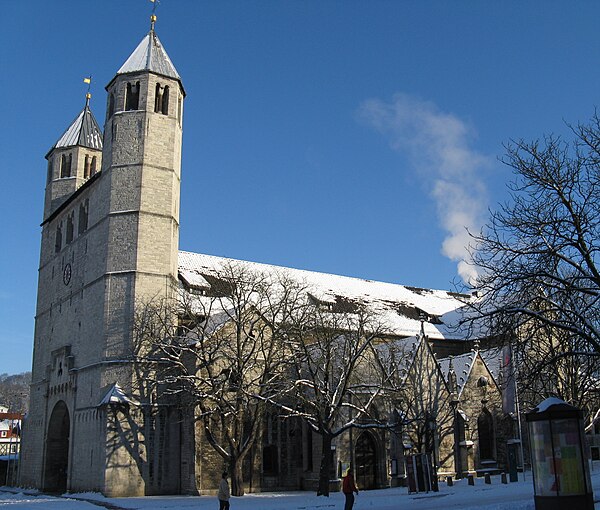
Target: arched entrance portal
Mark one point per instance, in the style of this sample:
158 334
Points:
57 449
366 462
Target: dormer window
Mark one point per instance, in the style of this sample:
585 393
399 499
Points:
132 96
323 302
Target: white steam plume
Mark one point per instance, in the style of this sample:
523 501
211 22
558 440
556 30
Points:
437 144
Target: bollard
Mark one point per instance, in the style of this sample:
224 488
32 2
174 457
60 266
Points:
470 479
449 481
488 478
503 478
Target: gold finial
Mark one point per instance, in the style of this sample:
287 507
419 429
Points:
153 15
88 95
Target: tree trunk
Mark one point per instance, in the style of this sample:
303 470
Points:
325 469
237 481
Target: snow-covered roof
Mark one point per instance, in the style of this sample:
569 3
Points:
83 131
463 364
399 353
115 395
399 306
150 55
493 360
193 279
553 405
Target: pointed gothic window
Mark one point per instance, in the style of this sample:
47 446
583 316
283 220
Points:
69 228
58 239
132 97
270 460
83 217
93 166
485 430
86 167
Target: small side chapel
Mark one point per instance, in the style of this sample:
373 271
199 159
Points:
110 239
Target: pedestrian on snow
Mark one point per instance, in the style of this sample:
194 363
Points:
224 493
349 489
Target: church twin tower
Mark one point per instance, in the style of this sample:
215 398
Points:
109 240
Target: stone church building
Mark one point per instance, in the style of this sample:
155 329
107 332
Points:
110 239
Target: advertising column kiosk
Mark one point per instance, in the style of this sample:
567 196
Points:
561 475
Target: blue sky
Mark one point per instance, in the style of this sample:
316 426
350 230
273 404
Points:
351 137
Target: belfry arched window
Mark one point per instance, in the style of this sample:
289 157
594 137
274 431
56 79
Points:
65 165
165 101
86 167
111 105
93 166
132 96
50 170
161 99
179 108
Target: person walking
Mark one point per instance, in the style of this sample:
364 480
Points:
349 489
224 493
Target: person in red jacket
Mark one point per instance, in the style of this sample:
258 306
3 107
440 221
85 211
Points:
349 489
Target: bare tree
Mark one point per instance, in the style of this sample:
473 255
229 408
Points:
336 374
224 356
549 365
424 400
539 255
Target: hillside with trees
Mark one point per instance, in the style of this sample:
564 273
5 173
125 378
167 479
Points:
14 391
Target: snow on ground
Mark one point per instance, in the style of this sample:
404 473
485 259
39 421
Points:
514 496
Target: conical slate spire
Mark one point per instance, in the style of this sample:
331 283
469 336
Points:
83 131
150 55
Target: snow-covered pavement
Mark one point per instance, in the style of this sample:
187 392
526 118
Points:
515 496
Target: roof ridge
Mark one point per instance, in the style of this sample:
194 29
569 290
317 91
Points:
310 271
